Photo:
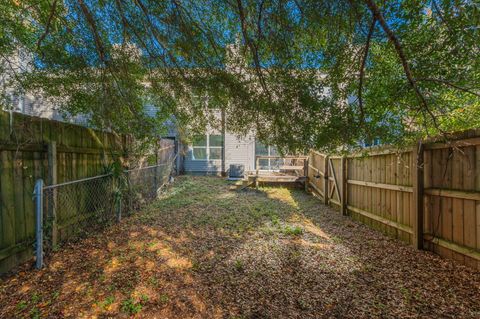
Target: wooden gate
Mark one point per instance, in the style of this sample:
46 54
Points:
325 174
334 180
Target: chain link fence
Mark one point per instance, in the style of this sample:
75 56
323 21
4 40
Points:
145 184
76 209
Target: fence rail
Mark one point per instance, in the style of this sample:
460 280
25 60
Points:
428 196
76 209
279 169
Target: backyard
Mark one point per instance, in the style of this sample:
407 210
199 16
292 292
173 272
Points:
204 250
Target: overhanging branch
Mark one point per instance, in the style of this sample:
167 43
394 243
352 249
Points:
450 84
401 55
362 70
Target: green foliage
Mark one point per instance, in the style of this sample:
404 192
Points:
293 231
164 298
239 266
266 63
22 305
107 302
131 307
144 298
153 281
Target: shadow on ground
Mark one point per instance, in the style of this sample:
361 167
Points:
204 251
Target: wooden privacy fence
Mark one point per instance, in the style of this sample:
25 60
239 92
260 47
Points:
428 196
30 148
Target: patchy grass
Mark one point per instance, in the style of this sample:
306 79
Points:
292 231
203 251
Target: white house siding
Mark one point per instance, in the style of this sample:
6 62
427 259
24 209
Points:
239 151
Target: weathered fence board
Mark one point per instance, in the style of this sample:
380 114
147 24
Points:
429 198
81 152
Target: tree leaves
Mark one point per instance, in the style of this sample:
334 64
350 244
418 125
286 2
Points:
287 70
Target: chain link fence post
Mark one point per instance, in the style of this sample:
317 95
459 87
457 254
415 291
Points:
38 196
129 193
118 199
155 181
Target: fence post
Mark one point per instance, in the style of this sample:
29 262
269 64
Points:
344 203
129 193
305 170
418 189
325 180
155 181
119 207
38 196
178 158
257 164
52 180
118 196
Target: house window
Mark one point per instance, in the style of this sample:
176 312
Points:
215 145
207 147
199 145
265 150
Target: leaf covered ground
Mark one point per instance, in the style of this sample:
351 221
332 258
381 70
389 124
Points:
204 251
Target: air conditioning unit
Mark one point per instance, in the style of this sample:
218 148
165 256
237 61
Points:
236 172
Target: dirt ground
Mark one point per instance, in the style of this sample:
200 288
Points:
204 251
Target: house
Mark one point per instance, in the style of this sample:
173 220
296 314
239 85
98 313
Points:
217 149
13 99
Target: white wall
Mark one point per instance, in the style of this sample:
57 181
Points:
239 151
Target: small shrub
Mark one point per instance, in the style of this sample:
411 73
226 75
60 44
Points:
22 305
302 304
195 265
35 313
107 302
293 231
35 298
153 281
131 307
275 220
56 294
238 265
164 298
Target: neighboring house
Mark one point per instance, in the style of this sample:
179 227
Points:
34 104
374 142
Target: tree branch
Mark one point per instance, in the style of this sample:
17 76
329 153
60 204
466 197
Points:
96 37
297 4
47 26
401 55
362 70
252 47
259 20
447 83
